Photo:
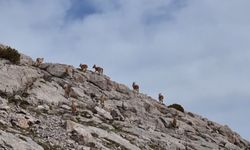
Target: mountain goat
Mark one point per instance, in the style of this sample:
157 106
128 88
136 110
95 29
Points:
69 71
160 97
39 61
174 122
135 87
73 106
102 100
67 90
98 69
83 67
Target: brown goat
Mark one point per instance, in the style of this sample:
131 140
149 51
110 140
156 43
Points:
39 61
102 100
98 69
174 123
83 67
73 107
135 87
161 97
67 90
69 71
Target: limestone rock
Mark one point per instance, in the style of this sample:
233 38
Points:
26 60
103 113
102 82
33 103
117 115
47 92
17 142
15 78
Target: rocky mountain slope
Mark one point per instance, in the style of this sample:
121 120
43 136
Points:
37 114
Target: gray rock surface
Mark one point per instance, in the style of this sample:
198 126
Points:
36 114
17 142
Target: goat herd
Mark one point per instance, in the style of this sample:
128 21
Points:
99 70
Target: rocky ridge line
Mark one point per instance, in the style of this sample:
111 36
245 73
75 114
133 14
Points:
35 113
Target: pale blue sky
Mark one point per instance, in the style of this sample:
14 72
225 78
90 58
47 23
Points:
195 52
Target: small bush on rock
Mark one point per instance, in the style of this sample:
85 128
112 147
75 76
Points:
177 107
10 54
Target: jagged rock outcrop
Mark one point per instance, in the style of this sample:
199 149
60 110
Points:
36 115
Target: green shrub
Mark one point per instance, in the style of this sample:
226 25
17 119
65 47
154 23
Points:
177 107
10 54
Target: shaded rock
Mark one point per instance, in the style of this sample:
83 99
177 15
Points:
3 104
231 146
161 120
23 121
86 114
17 142
147 107
3 123
117 115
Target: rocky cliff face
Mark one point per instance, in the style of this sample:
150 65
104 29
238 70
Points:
37 114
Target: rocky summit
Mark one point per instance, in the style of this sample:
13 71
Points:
49 106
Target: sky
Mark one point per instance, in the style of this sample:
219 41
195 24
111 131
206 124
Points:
197 53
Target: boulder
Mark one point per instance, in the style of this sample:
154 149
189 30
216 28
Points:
26 60
17 142
103 113
15 78
117 115
99 81
46 92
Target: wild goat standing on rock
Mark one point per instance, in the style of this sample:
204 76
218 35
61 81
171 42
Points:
68 71
161 97
67 90
174 123
83 67
39 61
102 100
98 69
135 87
73 107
